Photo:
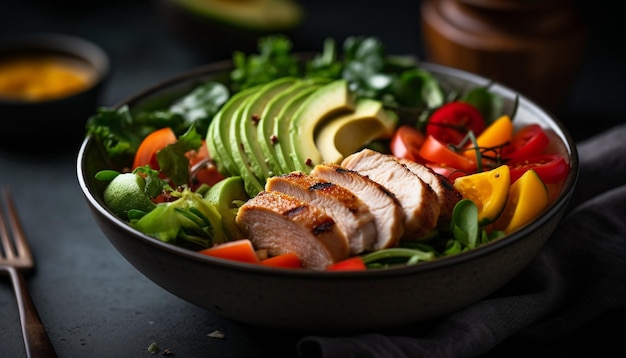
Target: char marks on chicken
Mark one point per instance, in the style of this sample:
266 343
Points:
282 224
350 213
387 211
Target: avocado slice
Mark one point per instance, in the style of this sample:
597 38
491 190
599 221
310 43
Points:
249 121
328 100
252 183
218 28
227 196
348 133
281 128
266 134
218 137
268 15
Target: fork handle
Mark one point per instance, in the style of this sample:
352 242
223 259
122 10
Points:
36 338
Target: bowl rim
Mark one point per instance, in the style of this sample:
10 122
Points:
59 43
483 250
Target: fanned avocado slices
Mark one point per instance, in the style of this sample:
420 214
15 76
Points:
281 128
266 129
249 120
291 124
252 183
218 137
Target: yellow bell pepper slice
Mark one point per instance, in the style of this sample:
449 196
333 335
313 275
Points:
488 190
528 197
497 134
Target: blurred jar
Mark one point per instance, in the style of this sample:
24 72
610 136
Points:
533 46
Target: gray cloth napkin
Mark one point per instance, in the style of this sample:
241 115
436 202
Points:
570 301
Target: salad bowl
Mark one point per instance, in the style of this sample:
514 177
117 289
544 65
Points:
322 301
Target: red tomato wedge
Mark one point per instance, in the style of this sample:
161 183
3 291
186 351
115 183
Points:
155 141
451 122
239 250
437 152
447 172
406 143
526 142
198 156
288 260
202 169
551 168
354 263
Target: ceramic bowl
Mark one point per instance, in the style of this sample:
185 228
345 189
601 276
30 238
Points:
330 301
38 106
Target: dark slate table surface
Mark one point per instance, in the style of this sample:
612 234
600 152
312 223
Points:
92 301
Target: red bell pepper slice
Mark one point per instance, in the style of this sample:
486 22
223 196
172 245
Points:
354 263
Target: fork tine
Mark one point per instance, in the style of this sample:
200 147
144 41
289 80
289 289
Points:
10 226
21 244
6 248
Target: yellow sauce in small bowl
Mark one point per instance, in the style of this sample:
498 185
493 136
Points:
41 78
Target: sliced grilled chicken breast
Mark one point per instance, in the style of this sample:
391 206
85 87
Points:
281 224
350 213
387 211
447 194
418 199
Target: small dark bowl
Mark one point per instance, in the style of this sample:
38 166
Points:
66 115
330 301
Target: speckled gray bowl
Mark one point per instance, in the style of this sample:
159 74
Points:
329 301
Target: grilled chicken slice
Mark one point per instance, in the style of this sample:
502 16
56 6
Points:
418 199
350 213
447 194
281 224
388 214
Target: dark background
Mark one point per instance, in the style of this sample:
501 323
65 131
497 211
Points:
93 302
144 50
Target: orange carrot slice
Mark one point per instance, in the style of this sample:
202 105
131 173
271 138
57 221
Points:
288 260
239 250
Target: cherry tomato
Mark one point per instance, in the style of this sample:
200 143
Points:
451 122
407 142
528 141
207 174
551 168
436 152
155 141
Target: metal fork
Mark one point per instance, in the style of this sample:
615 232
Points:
15 255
